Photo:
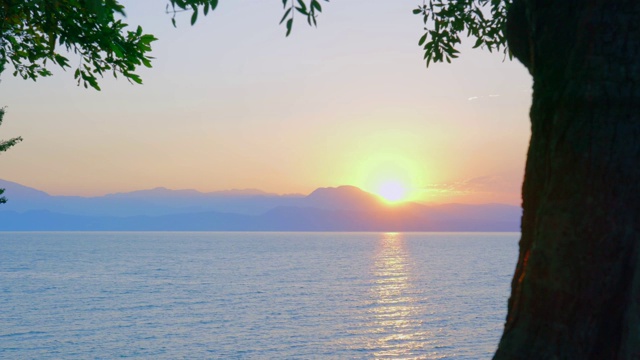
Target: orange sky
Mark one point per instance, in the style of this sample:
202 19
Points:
232 103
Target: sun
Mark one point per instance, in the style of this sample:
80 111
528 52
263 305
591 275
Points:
392 191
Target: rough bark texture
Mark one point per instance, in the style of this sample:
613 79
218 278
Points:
576 288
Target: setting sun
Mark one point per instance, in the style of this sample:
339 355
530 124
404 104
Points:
392 191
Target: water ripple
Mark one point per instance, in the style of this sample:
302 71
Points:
253 295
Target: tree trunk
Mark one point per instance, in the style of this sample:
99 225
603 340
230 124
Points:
576 288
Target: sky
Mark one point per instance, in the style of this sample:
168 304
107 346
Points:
231 103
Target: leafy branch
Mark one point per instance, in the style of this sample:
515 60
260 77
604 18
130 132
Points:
310 11
36 32
4 146
176 6
445 21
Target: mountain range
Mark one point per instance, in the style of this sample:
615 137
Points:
344 208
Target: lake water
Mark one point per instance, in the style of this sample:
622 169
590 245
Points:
253 295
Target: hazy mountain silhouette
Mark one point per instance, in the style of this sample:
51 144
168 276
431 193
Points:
344 208
153 202
21 191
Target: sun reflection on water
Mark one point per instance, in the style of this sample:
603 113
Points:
394 326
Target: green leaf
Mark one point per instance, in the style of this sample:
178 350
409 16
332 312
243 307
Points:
422 39
302 5
148 38
316 5
146 62
134 77
61 60
117 49
289 25
194 16
284 17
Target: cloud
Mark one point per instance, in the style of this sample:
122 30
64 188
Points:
483 96
488 188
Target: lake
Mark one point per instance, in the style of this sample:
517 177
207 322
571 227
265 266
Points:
212 295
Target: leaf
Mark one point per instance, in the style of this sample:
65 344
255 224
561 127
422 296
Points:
146 62
134 77
302 5
117 49
423 39
289 25
61 60
194 17
286 13
316 5
478 43
148 38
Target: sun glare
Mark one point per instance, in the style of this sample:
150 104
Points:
392 191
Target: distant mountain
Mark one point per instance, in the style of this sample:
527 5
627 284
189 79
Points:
21 191
344 208
152 202
164 192
342 198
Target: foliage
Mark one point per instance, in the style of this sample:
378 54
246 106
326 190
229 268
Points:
176 6
34 33
309 11
445 21
4 146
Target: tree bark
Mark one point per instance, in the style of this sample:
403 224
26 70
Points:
576 288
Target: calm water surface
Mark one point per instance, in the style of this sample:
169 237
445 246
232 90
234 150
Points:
253 295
